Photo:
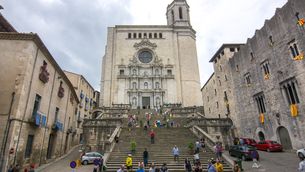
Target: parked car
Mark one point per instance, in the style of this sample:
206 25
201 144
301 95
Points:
89 157
243 152
269 146
301 153
249 141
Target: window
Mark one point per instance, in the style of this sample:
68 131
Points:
180 13
271 42
222 53
220 68
215 61
134 35
225 96
247 79
252 56
173 15
237 68
150 35
290 91
145 57
145 35
215 92
157 85
226 78
208 98
217 105
209 110
134 85
169 72
260 101
219 82
155 35
140 35
160 35
56 114
29 146
294 51
265 69
129 35
121 72
232 49
36 104
145 85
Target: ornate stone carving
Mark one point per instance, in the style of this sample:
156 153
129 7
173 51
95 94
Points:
44 74
145 43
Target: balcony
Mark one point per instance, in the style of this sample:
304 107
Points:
57 126
35 119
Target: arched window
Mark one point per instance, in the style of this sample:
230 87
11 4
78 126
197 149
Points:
157 85
180 13
173 16
145 85
134 72
140 35
134 85
150 35
157 71
155 35
134 35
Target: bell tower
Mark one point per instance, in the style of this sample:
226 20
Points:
178 13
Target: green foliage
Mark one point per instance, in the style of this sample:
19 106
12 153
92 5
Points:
133 145
191 146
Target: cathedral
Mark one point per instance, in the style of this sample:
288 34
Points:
147 66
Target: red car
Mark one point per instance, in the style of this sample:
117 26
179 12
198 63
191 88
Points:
269 145
249 141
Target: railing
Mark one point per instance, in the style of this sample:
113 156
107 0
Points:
105 122
209 141
210 122
110 143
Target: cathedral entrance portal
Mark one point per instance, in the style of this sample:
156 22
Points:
145 102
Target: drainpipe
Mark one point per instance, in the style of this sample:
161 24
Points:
6 133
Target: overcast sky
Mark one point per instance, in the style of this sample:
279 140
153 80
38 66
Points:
74 31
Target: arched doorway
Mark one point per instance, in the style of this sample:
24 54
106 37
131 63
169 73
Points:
261 136
284 137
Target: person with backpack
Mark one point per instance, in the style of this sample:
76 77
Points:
211 167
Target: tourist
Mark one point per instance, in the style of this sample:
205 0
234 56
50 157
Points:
145 157
218 166
32 168
152 136
236 167
198 168
219 150
187 165
121 169
302 165
196 158
129 162
152 167
211 167
164 168
202 142
175 152
141 167
254 156
198 145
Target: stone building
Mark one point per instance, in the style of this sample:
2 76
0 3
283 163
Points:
217 91
87 97
268 79
147 66
37 103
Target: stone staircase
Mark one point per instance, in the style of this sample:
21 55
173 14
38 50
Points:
160 152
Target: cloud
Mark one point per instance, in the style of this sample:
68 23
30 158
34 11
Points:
75 31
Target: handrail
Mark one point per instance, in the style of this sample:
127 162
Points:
112 142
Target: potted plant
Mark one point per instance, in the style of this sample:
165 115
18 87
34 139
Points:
191 148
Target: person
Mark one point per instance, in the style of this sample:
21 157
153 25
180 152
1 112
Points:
187 165
10 169
202 142
254 156
116 139
129 163
218 166
100 164
145 157
16 168
141 167
219 151
121 169
302 165
164 168
197 144
152 167
236 167
95 168
211 167
196 157
175 152
152 136
32 168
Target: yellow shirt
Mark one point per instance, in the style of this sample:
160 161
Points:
129 161
219 167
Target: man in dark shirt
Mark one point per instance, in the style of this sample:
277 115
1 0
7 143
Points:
145 157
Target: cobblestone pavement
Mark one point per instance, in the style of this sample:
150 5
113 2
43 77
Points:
274 162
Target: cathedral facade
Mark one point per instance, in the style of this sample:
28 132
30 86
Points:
148 66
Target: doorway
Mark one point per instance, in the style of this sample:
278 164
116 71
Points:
284 137
261 136
50 146
145 102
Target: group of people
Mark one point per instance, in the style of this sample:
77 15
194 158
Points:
17 168
141 165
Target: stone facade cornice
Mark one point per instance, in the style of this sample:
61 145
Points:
36 39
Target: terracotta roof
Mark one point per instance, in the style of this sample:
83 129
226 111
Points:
5 26
36 39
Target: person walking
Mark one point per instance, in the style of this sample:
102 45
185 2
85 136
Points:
187 165
254 156
121 169
129 162
219 151
152 167
145 157
211 167
152 136
218 166
164 168
175 152
196 158
302 165
141 167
